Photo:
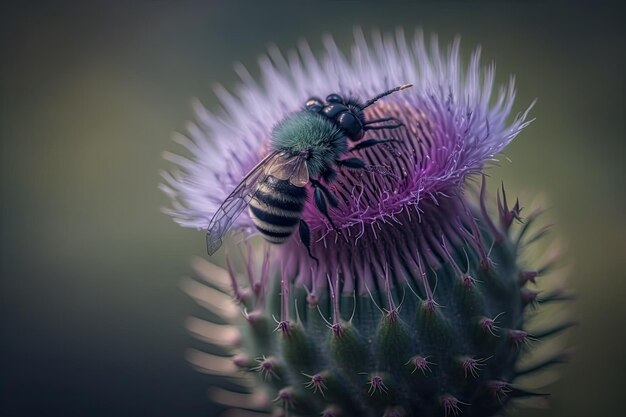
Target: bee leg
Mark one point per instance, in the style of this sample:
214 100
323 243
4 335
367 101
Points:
386 119
366 128
326 192
369 143
321 195
352 163
329 175
305 237
368 124
358 163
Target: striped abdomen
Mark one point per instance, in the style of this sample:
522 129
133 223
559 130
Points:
276 209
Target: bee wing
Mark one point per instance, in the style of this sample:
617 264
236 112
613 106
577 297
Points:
238 200
292 168
300 176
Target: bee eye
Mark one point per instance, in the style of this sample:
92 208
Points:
314 104
350 124
334 98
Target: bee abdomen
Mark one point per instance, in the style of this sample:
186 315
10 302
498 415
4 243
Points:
276 209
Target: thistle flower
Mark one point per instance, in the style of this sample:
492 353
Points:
418 303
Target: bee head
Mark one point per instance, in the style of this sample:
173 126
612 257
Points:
347 114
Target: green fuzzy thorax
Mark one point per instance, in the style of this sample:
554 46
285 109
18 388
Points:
306 131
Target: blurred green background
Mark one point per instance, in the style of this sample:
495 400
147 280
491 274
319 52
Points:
91 314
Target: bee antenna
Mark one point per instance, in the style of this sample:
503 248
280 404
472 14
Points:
386 93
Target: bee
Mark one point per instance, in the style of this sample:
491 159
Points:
306 148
